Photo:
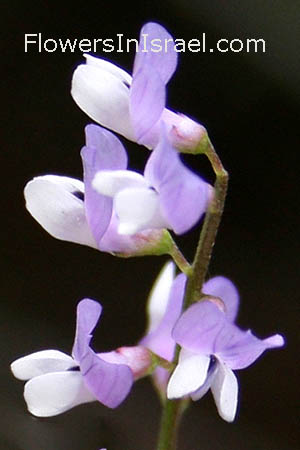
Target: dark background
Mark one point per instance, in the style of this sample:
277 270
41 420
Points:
250 106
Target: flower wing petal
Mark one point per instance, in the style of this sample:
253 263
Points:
110 182
54 393
189 375
103 96
224 388
159 296
138 209
42 362
183 194
52 200
224 289
103 151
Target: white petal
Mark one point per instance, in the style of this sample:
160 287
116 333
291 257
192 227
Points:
50 200
110 182
54 393
104 97
138 209
159 296
225 391
42 362
189 375
108 67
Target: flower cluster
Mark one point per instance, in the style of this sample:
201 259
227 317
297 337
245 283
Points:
117 210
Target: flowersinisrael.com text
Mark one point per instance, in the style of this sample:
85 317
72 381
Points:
120 44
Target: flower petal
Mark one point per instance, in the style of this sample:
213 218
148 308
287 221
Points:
160 340
199 326
110 182
54 393
42 362
147 100
159 296
189 375
224 289
164 60
138 209
183 195
103 96
108 67
239 349
103 151
52 200
109 383
224 388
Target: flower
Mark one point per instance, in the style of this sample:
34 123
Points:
58 382
212 347
169 195
164 308
135 106
71 210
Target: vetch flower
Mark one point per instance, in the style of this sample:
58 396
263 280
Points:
169 195
58 382
72 210
135 106
212 347
164 308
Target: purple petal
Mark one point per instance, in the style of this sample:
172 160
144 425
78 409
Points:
160 340
147 100
103 151
239 349
183 195
163 61
224 289
109 383
199 326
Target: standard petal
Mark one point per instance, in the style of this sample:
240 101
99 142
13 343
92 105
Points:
224 289
183 195
55 203
164 60
159 296
199 326
160 340
147 100
42 362
110 182
109 383
103 151
104 97
189 375
54 393
239 349
138 209
224 388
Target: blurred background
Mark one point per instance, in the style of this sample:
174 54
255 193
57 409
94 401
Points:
249 103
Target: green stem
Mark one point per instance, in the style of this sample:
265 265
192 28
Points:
172 408
180 260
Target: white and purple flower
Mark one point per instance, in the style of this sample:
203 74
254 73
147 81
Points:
129 211
135 106
212 347
58 382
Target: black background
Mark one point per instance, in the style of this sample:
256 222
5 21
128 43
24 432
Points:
250 106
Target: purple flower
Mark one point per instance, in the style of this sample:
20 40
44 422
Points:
135 106
72 210
212 347
169 195
58 382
